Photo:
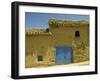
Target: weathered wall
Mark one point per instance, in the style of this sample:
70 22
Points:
48 55
65 35
60 36
80 51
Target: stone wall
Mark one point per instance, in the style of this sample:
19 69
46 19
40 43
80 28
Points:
48 54
80 51
39 42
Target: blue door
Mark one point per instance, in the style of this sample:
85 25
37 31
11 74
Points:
63 55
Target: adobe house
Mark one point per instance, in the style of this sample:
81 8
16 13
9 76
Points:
63 42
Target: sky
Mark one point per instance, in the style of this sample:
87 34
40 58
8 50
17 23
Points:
40 20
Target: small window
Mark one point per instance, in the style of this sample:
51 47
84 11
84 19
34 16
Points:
77 34
47 30
40 58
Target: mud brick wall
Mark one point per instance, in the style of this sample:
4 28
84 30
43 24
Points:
63 34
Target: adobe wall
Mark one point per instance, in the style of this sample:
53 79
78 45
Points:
59 36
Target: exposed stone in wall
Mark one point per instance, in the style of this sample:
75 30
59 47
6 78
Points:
48 54
80 51
65 23
41 42
37 32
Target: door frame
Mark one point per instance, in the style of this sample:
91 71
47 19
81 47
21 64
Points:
62 48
